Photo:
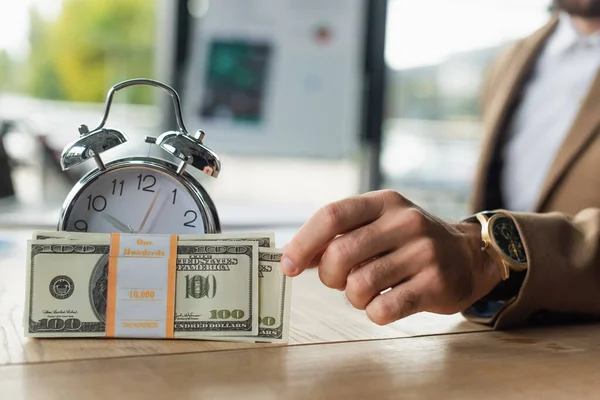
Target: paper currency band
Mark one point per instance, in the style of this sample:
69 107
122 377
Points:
142 259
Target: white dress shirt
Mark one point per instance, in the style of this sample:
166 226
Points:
561 79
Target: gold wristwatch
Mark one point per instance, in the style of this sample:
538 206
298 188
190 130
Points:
501 239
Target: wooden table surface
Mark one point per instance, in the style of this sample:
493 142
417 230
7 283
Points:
334 352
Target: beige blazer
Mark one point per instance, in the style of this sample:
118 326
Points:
563 237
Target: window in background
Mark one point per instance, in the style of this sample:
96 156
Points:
437 52
74 50
58 59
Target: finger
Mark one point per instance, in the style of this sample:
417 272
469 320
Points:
361 245
397 228
382 273
316 260
403 300
332 220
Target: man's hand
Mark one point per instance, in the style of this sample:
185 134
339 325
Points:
380 240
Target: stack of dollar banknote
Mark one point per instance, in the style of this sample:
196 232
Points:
241 296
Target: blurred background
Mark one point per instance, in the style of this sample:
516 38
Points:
322 99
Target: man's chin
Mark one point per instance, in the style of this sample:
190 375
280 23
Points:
580 8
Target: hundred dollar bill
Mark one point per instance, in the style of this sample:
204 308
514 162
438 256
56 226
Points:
275 291
67 235
66 288
264 239
216 288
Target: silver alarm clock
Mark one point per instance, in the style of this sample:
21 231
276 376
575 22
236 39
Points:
140 194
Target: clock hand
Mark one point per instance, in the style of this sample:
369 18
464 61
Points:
117 224
148 212
159 210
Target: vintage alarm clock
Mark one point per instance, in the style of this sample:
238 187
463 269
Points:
140 194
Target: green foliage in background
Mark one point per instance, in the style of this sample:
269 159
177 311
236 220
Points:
92 45
5 67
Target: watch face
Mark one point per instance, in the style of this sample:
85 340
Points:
135 199
507 238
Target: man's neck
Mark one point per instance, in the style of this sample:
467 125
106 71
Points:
586 26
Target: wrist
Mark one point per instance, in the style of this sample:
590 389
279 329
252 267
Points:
485 270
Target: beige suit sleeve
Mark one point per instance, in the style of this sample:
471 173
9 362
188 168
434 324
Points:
562 283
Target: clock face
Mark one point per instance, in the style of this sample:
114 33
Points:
507 238
135 199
